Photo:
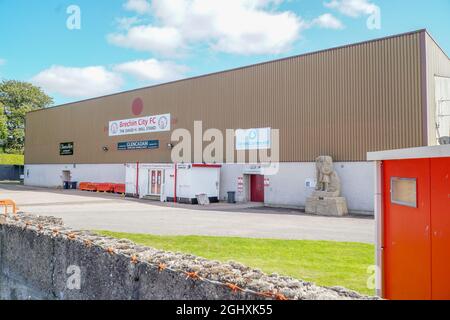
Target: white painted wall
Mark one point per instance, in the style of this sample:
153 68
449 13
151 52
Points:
50 175
438 64
287 187
291 179
191 181
443 106
144 177
229 180
194 181
357 180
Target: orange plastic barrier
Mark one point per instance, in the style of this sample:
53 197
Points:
102 187
119 188
91 186
105 187
83 186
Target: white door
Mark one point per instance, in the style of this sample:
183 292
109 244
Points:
155 182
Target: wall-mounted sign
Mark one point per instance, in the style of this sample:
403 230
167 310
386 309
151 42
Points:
253 169
138 145
184 166
310 183
66 149
141 125
253 139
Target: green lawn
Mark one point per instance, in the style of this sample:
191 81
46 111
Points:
11 159
323 262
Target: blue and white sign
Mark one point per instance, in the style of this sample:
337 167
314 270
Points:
253 139
138 145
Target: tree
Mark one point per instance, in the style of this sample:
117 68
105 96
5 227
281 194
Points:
3 128
18 98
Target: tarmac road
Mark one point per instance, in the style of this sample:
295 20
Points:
98 211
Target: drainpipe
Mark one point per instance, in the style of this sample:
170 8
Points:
175 185
379 232
137 179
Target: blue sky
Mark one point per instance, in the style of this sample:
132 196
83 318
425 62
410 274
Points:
126 44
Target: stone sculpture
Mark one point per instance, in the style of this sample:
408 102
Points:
327 178
326 199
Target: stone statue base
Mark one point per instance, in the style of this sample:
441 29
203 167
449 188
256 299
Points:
326 204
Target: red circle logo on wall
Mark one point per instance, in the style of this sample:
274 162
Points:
137 107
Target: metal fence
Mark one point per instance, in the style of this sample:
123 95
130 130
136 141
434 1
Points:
11 172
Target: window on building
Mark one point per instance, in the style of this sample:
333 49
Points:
404 191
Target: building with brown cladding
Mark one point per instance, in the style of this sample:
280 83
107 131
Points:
388 93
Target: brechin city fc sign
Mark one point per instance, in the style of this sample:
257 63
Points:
159 123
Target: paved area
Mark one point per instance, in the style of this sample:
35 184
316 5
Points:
97 211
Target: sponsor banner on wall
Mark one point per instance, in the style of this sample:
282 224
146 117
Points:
138 145
66 149
253 139
159 123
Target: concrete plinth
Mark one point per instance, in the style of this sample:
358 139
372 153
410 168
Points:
335 206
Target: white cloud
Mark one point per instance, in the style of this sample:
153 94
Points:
138 6
78 82
353 8
165 40
234 26
2 62
328 21
126 23
258 33
153 70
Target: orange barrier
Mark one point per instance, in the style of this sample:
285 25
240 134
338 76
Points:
105 187
8 203
83 186
102 187
91 186
88 186
119 188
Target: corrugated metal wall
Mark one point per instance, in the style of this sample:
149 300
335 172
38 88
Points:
341 102
438 64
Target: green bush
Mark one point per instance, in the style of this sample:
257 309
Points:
11 159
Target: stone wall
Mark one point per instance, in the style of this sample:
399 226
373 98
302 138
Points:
42 259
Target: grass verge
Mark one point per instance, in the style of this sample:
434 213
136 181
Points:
11 159
325 263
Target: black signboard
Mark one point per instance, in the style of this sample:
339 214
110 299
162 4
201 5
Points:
138 145
66 149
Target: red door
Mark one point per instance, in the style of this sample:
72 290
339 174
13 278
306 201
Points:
407 234
257 188
440 228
